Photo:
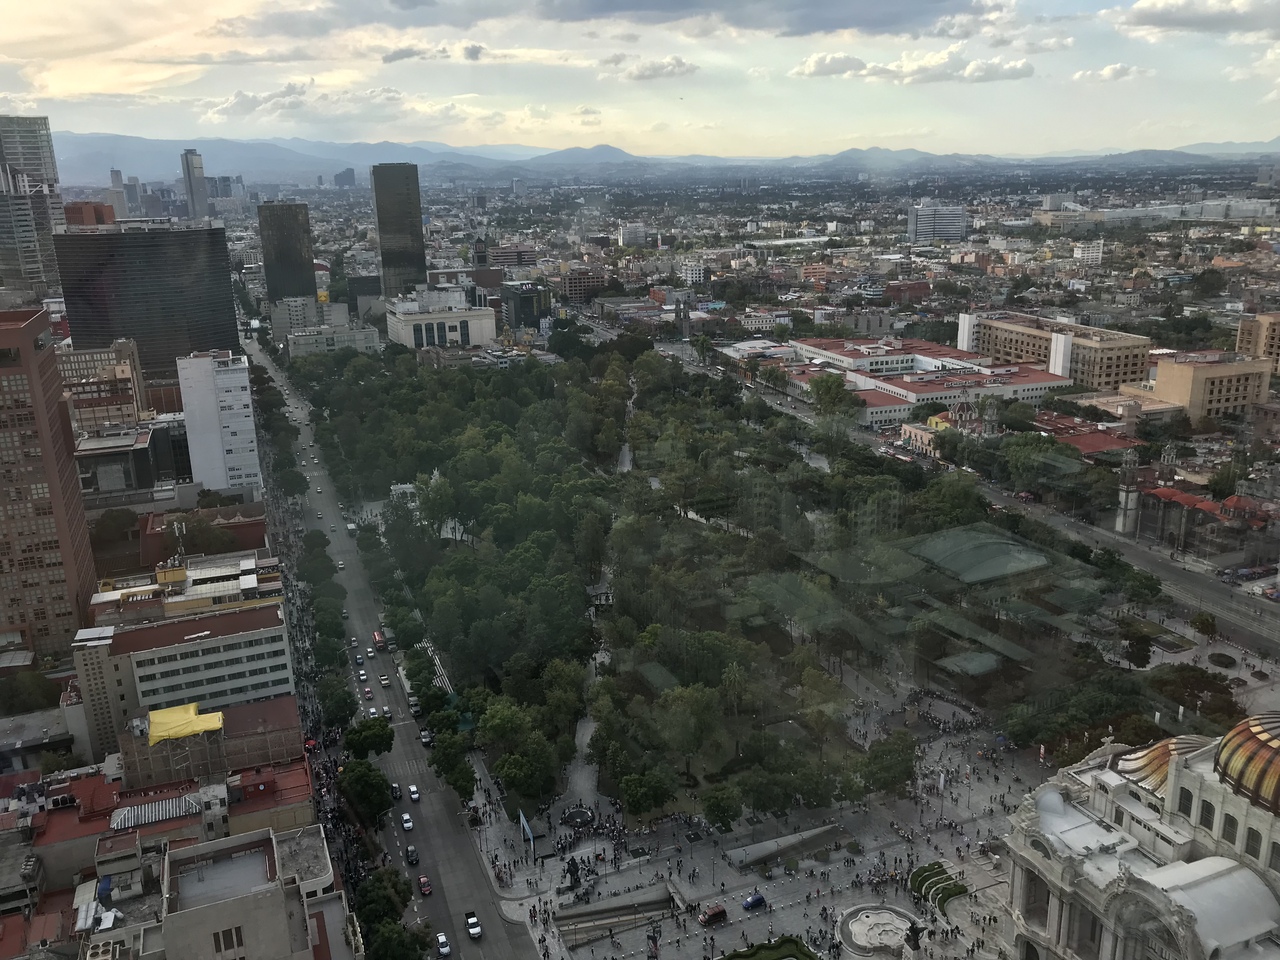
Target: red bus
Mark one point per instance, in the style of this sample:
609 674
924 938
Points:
379 642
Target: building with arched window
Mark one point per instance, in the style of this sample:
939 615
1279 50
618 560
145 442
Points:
1166 852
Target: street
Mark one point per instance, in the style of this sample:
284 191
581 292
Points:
446 847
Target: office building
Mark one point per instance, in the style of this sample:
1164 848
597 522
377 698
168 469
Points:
439 317
1209 384
46 565
164 286
1091 356
215 660
288 261
105 386
345 178
513 255
1170 850
694 273
30 206
220 428
633 235
82 213
524 303
1259 336
196 185
330 339
932 221
579 282
397 211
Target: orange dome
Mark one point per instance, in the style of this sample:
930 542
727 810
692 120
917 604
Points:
1248 760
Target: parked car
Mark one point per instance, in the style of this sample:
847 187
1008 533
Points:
754 901
715 913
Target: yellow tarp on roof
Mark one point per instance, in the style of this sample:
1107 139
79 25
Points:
174 723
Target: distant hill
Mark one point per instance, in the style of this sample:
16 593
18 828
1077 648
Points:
1233 147
85 159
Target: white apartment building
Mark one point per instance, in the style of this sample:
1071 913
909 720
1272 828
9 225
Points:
693 273
294 314
215 660
439 316
1089 253
221 432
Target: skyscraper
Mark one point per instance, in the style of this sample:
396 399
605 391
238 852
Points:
46 565
30 205
345 178
397 211
167 288
287 258
197 186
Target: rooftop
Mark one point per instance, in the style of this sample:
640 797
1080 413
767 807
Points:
304 853
207 881
126 640
1078 331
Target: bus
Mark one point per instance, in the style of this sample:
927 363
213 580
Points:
379 641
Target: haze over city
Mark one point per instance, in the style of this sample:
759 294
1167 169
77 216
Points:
656 77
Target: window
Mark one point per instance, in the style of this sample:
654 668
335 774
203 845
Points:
1273 859
1252 843
1207 814
1184 802
1229 827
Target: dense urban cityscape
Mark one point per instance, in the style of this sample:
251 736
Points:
579 555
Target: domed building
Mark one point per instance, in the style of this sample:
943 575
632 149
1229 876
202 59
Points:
1165 852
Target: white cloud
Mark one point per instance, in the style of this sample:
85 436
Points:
664 69
16 102
829 65
1111 73
586 111
941 66
613 60
1047 45
304 102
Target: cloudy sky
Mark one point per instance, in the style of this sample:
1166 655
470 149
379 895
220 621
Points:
730 77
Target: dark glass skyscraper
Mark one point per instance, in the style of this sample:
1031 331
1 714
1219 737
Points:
166 288
397 210
287 258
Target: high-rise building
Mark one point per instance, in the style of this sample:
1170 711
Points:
104 385
219 414
633 235
30 205
197 186
932 221
288 260
117 180
397 210
345 178
166 287
46 565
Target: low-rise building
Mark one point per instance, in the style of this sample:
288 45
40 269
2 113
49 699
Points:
1259 336
439 317
330 339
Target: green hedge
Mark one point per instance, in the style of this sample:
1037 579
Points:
922 875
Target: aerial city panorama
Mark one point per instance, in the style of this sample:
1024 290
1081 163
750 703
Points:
639 480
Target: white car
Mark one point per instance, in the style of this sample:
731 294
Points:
384 680
362 676
414 795
406 822
342 565
373 713
442 945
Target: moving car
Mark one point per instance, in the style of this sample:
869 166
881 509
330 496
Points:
384 680
368 693
359 659
426 737
715 913
442 945
395 791
411 855
406 823
373 713
318 490
345 615
473 925
754 901
369 652
342 565
319 515
386 712
362 676
424 886
413 793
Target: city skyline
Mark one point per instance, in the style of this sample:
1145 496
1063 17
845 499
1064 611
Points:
804 76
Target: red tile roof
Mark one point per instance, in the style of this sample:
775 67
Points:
1099 441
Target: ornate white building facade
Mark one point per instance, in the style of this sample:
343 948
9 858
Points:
1165 852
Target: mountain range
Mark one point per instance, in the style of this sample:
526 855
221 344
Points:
86 159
